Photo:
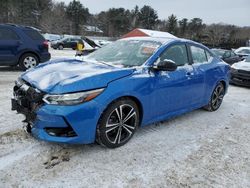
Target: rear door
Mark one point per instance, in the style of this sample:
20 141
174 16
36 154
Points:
202 61
9 46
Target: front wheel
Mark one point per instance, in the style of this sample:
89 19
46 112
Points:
118 123
216 98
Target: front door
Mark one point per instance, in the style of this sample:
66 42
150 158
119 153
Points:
177 90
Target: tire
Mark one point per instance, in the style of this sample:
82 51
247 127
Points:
216 98
112 131
28 61
60 47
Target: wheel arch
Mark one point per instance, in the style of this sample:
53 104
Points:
134 99
29 52
224 83
60 44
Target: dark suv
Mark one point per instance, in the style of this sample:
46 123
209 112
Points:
23 46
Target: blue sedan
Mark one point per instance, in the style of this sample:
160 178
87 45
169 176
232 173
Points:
130 83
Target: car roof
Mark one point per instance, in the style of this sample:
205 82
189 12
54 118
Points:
164 40
19 26
156 39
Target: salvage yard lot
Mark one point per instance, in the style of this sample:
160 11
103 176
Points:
197 149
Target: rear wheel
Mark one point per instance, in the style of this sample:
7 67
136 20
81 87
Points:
28 61
216 98
118 123
60 47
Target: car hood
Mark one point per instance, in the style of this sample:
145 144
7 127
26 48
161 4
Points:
71 75
242 65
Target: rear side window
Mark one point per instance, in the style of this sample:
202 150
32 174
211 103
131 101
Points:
198 55
33 34
8 34
176 53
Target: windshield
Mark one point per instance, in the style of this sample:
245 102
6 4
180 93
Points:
127 53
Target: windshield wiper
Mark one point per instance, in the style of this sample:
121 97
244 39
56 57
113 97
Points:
105 63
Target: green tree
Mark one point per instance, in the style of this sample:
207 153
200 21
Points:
78 15
118 21
172 24
196 28
183 27
148 17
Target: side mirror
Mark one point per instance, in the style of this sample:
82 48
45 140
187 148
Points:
166 65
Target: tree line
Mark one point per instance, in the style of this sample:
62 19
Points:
59 18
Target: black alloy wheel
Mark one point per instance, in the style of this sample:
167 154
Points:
118 123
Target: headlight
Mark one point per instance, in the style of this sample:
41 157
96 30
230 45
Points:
72 98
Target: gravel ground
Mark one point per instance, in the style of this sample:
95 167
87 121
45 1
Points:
197 149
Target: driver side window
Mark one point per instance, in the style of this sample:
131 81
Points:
176 53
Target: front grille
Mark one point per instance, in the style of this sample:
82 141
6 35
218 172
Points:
244 72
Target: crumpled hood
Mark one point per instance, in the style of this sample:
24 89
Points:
242 65
71 75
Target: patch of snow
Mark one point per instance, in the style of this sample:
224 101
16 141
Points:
153 33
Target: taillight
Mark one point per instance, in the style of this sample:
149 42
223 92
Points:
46 44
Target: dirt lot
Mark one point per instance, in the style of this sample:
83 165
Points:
198 149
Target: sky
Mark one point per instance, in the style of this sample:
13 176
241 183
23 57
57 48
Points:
236 12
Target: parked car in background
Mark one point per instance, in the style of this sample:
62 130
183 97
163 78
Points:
129 83
71 42
66 42
240 73
243 52
227 55
51 37
23 46
88 46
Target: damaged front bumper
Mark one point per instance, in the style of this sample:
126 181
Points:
65 124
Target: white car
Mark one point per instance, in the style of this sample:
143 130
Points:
243 51
240 73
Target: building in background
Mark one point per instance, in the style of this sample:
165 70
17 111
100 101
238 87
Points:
148 33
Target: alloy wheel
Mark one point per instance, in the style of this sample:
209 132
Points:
217 97
121 124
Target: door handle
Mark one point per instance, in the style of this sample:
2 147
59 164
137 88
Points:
189 74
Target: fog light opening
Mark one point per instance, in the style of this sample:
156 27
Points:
61 132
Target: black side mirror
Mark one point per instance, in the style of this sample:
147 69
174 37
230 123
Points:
166 65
